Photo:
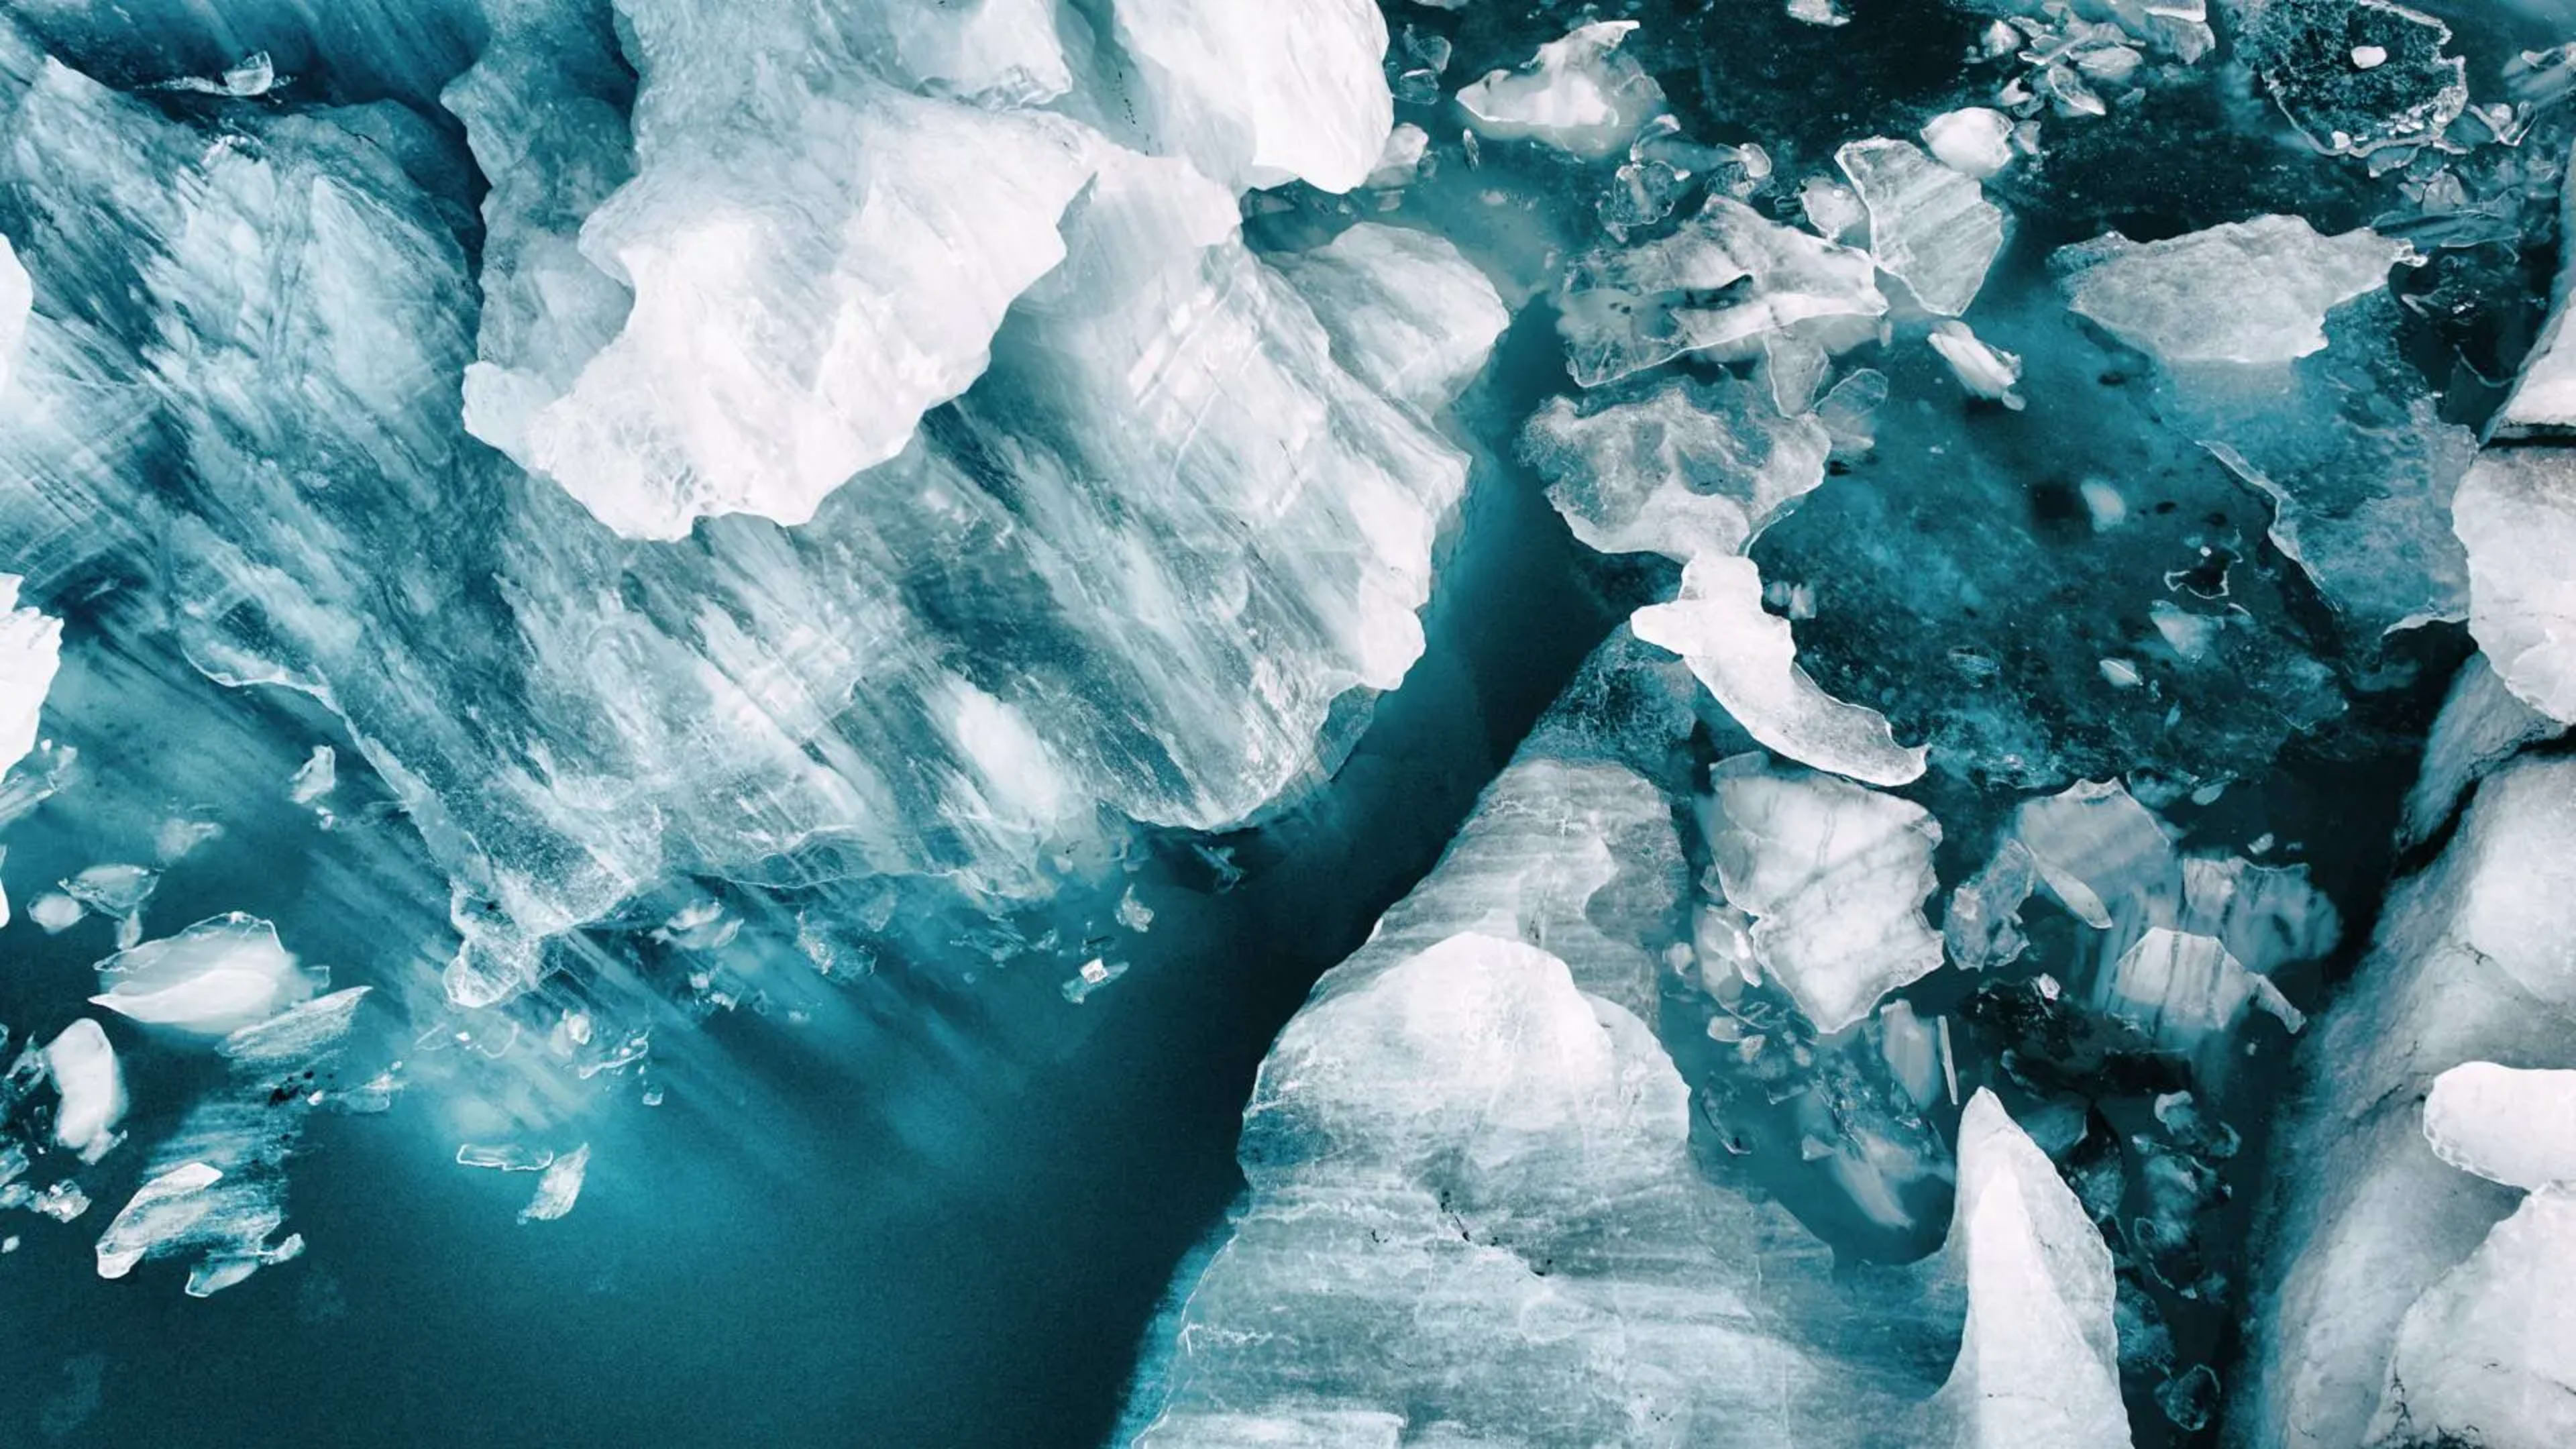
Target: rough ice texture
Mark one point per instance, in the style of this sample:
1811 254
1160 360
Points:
1258 95
1408 315
2039 1366
2506 1125
1748 660
2303 51
17 295
947 670
2516 515
215 977
2481 725
1687 469
2245 292
1579 94
1930 227
1835 877
1974 140
2483 1357
1472 1213
31 644
2475 960
2543 402
1724 283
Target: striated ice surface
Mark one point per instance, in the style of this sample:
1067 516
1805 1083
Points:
2247 292
2038 1366
85 1070
1257 95
217 976
2506 1125
1407 314
1579 94
1834 877
2482 1358
1930 226
1748 660
2516 516
1687 469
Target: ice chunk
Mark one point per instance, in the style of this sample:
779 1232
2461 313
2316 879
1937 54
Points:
2039 1363
2516 514
2506 1125
1748 660
2246 292
1401 161
2188 992
2481 725
1826 13
1973 140
221 974
2483 1357
1407 314
31 645
1835 877
85 1071
53 912
1930 227
113 890
1986 372
1982 928
318 776
1578 94
1723 283
559 1188
1258 95
2101 853
1689 468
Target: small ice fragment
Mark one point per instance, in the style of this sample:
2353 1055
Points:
1818 12
254 75
1974 140
2190 635
1092 975
316 777
559 1188
178 836
55 912
504 1156
1134 914
215 977
2506 1125
92 1085
62 1201
1578 94
2369 57
2120 673
1401 161
112 890
2105 505
1985 371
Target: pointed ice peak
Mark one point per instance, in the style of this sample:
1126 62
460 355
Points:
1930 227
2038 1364
1835 877
31 644
1748 660
2507 1125
1578 94
2245 292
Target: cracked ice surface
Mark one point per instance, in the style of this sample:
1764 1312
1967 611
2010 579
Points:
2251 292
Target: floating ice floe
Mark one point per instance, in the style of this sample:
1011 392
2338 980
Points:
1930 227
1579 94
1689 468
2245 292
215 977
85 1071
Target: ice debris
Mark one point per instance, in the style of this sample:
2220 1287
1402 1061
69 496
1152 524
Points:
1834 877
559 1187
1579 94
219 975
1984 371
1748 660
1930 227
2507 1125
2244 292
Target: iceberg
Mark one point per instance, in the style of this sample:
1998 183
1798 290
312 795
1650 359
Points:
1579 94
2248 292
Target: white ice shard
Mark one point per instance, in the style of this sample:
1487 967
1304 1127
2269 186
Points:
1985 371
2481 725
1689 468
1723 283
2484 1357
1973 140
2507 1125
1930 227
1578 94
1407 313
2252 292
217 976
192 1206
2102 854
1258 95
1748 660
17 297
2516 514
2039 1363
2188 993
558 1188
31 643
85 1071
1835 877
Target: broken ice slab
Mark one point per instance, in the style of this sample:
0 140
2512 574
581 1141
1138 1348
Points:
1983 371
217 976
1835 877
558 1188
1408 315
1748 660
2189 993
85 1071
2516 515
2482 1357
1692 467
2039 1362
31 641
1725 280
2507 1125
2253 292
1973 140
2355 76
112 890
1930 227
1580 94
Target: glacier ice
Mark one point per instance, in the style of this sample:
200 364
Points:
1930 226
2506 1125
2516 516
2250 292
1748 660
1581 93
1834 876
